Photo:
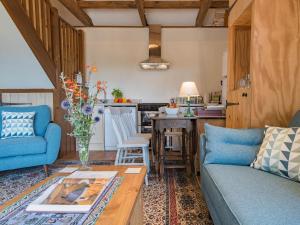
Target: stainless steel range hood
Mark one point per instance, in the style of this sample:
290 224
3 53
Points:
154 62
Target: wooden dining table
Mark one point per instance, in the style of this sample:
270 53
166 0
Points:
160 124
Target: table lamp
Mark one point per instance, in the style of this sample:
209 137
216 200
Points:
188 89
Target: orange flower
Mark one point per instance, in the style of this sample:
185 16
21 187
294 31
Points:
84 97
98 85
69 81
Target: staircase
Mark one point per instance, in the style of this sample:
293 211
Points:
57 46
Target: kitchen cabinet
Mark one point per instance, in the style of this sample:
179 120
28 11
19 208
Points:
97 140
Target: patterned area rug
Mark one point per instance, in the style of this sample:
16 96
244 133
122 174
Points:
174 200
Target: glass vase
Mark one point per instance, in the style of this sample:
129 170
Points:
83 145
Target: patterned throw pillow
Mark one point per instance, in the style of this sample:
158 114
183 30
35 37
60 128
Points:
17 124
280 152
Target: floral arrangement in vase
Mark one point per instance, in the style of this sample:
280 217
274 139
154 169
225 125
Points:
79 105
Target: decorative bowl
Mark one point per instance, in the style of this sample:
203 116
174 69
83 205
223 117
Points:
172 111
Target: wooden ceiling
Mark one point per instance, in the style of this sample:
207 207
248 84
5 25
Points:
80 9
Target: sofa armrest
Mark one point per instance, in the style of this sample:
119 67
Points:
202 148
53 138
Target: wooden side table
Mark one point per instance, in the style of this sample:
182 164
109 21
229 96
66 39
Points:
189 125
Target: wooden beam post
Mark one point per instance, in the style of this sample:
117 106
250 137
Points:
30 35
58 94
140 7
57 61
205 5
73 7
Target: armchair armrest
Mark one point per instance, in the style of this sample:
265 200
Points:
53 138
202 148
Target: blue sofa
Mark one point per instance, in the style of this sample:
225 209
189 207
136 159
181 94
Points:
237 194
41 149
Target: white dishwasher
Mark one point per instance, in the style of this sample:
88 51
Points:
110 140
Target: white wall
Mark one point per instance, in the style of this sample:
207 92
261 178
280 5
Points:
32 98
195 55
18 66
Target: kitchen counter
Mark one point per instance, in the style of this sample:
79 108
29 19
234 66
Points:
118 104
134 103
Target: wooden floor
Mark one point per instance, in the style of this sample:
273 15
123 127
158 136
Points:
94 155
111 155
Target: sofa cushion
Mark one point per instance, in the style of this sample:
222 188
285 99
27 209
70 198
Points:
22 146
295 121
280 152
243 195
231 146
17 124
41 119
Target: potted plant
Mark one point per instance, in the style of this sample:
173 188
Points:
118 95
79 105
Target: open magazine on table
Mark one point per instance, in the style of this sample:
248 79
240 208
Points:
76 193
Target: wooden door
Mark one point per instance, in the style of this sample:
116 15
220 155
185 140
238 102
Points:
238 113
238 104
275 62
232 109
244 108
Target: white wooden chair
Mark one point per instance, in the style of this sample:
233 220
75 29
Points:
131 150
130 125
131 129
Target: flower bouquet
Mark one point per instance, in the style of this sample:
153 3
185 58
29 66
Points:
79 105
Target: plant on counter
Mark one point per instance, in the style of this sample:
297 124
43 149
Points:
117 93
79 105
118 96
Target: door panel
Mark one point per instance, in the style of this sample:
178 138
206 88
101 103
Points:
231 111
239 108
244 108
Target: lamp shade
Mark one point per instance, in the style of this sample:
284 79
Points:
188 89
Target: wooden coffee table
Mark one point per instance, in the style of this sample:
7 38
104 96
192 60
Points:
126 206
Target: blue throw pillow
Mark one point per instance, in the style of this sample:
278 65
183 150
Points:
232 146
17 124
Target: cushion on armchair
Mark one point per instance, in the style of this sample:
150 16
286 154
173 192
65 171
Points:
295 121
232 146
41 119
280 152
17 124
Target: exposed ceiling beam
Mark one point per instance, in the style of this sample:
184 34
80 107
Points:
73 7
140 7
107 4
171 4
205 5
125 26
150 4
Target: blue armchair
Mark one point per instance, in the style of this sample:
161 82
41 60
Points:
41 149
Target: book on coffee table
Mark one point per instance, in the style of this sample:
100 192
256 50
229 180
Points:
76 193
